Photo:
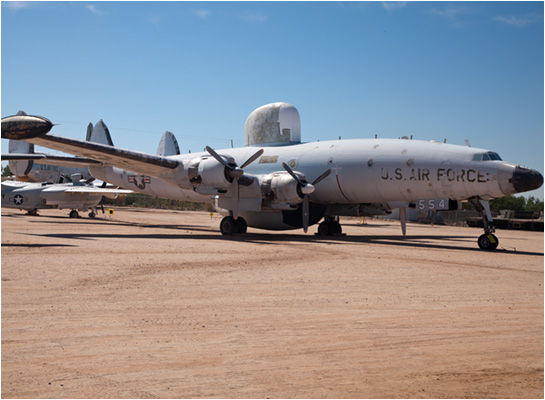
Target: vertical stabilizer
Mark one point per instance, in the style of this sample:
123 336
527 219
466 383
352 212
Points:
100 134
20 168
89 131
168 146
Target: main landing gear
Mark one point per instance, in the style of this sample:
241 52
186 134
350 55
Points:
231 226
329 227
487 241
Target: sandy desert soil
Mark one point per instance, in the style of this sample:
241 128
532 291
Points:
157 304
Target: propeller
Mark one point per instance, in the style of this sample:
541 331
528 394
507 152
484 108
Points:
306 189
65 178
234 173
403 220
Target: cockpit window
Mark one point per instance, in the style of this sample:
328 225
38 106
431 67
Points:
495 156
489 156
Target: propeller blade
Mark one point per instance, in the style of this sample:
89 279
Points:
322 177
290 171
217 157
65 178
234 198
306 202
403 221
252 158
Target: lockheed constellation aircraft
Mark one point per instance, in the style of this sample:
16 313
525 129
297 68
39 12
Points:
276 182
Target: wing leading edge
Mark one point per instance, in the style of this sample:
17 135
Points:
126 159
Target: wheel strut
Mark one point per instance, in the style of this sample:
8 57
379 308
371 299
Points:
487 241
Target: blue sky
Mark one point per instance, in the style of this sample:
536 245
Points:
434 70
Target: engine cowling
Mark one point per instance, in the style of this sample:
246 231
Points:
279 188
206 174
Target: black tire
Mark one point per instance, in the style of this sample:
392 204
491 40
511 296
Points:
324 229
228 226
242 225
336 228
74 214
488 242
92 215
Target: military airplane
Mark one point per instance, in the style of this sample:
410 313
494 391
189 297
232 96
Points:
28 166
276 182
77 195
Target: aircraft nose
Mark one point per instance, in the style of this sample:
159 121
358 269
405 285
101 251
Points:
526 179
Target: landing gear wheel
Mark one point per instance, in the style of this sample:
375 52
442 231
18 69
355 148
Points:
92 215
488 241
329 228
241 225
228 226
324 229
74 214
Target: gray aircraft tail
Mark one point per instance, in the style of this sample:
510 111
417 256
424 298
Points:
20 168
99 133
168 146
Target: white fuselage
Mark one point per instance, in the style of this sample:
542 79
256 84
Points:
363 171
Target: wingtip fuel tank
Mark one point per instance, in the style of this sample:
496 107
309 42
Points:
22 126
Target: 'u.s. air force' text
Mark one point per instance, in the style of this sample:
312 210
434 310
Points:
440 175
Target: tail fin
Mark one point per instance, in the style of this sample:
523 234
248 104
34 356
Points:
99 134
20 168
168 146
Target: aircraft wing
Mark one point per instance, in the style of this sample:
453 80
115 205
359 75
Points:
143 163
48 159
96 190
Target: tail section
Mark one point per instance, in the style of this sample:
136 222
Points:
168 146
20 168
99 134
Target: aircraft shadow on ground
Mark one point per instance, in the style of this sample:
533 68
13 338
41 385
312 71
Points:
410 241
208 233
37 245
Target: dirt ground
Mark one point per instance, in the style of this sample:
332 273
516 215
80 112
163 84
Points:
158 304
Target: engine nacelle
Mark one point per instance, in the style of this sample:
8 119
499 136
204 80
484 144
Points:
280 188
205 173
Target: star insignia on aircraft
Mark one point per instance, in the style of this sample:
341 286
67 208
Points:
18 199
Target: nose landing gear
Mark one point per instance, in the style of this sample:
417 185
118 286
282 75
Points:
487 241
